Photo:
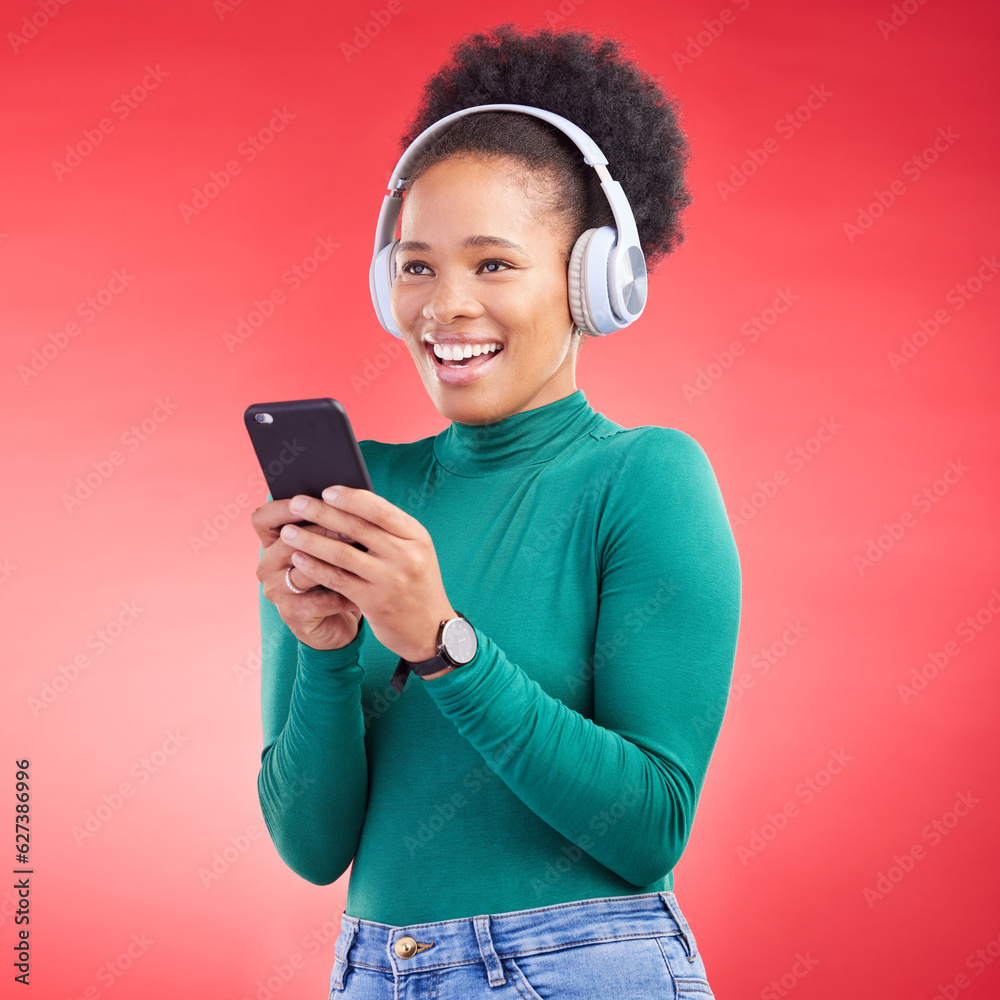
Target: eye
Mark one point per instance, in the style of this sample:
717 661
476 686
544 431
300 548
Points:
494 266
413 267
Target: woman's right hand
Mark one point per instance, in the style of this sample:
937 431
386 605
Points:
320 618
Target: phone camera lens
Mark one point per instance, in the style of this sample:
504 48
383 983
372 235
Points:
263 418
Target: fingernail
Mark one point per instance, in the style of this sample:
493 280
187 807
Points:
298 503
330 494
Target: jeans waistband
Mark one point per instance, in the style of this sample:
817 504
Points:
490 937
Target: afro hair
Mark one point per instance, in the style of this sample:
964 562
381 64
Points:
587 80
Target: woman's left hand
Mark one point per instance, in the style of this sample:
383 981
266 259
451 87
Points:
396 583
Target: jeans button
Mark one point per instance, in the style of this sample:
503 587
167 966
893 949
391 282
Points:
405 947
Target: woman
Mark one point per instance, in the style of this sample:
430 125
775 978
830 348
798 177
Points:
515 810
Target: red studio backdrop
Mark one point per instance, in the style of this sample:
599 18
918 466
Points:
189 194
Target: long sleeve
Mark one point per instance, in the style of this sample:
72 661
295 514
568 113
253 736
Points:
313 780
566 760
623 785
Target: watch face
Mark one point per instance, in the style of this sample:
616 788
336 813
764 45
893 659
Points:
459 641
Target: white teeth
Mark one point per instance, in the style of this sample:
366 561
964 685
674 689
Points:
449 353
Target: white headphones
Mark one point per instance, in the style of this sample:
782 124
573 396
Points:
607 270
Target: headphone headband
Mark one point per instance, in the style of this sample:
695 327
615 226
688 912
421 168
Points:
625 295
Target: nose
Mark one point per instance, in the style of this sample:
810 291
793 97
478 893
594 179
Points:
450 299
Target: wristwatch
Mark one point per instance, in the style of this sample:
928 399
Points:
456 646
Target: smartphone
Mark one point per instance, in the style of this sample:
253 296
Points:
305 445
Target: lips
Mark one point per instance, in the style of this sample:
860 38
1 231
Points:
472 370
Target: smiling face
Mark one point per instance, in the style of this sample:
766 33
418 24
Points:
482 260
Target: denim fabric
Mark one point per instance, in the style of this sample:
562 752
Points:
616 947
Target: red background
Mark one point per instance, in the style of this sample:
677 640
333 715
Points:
762 894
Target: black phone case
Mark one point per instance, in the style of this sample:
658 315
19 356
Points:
306 446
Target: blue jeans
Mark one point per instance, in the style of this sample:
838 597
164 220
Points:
616 947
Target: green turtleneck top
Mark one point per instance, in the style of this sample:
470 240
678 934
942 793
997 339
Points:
565 761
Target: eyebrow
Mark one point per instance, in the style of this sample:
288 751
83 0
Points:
407 246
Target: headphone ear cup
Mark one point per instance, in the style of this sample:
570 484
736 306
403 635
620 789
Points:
577 286
381 277
588 282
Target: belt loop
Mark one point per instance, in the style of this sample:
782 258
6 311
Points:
494 967
687 936
342 948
